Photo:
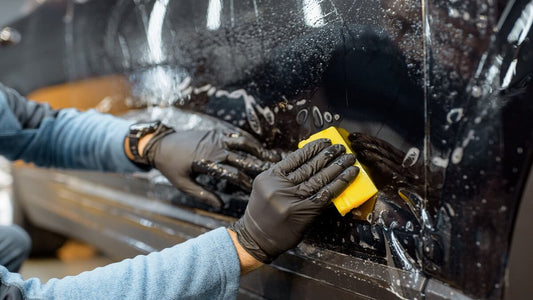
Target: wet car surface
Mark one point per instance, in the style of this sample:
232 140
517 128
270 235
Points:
437 95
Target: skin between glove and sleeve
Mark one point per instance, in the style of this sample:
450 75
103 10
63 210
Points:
287 198
229 154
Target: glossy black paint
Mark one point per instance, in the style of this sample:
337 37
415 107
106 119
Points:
442 122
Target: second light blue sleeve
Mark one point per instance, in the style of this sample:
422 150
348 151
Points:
206 267
72 139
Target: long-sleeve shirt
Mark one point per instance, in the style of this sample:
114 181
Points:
206 267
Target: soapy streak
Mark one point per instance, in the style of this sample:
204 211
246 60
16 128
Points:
251 107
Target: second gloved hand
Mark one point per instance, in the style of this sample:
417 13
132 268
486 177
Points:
222 153
287 197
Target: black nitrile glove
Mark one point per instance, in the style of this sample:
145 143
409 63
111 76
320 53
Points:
287 197
222 153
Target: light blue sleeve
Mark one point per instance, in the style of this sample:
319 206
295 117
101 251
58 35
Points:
206 267
73 139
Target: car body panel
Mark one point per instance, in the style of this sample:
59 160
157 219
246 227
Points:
442 90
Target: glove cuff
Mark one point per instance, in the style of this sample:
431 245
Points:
248 243
161 132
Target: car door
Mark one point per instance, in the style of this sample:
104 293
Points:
435 95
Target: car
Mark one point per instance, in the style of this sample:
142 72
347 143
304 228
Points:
437 96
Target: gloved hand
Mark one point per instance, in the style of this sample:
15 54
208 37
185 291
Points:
287 197
222 153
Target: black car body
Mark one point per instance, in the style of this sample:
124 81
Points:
439 92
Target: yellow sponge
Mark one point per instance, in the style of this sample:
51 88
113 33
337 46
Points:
362 188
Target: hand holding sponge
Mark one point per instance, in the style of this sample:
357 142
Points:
362 188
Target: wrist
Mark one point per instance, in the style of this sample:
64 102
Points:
141 145
141 138
248 262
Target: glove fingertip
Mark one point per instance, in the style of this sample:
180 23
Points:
211 200
204 196
338 185
351 173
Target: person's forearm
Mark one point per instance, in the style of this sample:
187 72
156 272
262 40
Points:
206 267
66 138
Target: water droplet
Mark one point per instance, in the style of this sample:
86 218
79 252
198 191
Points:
411 157
478 265
317 117
477 120
301 117
253 120
211 91
465 177
476 91
503 208
519 150
454 13
457 155
484 201
409 226
369 218
336 117
328 117
451 211
268 115
481 22
454 115
439 162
